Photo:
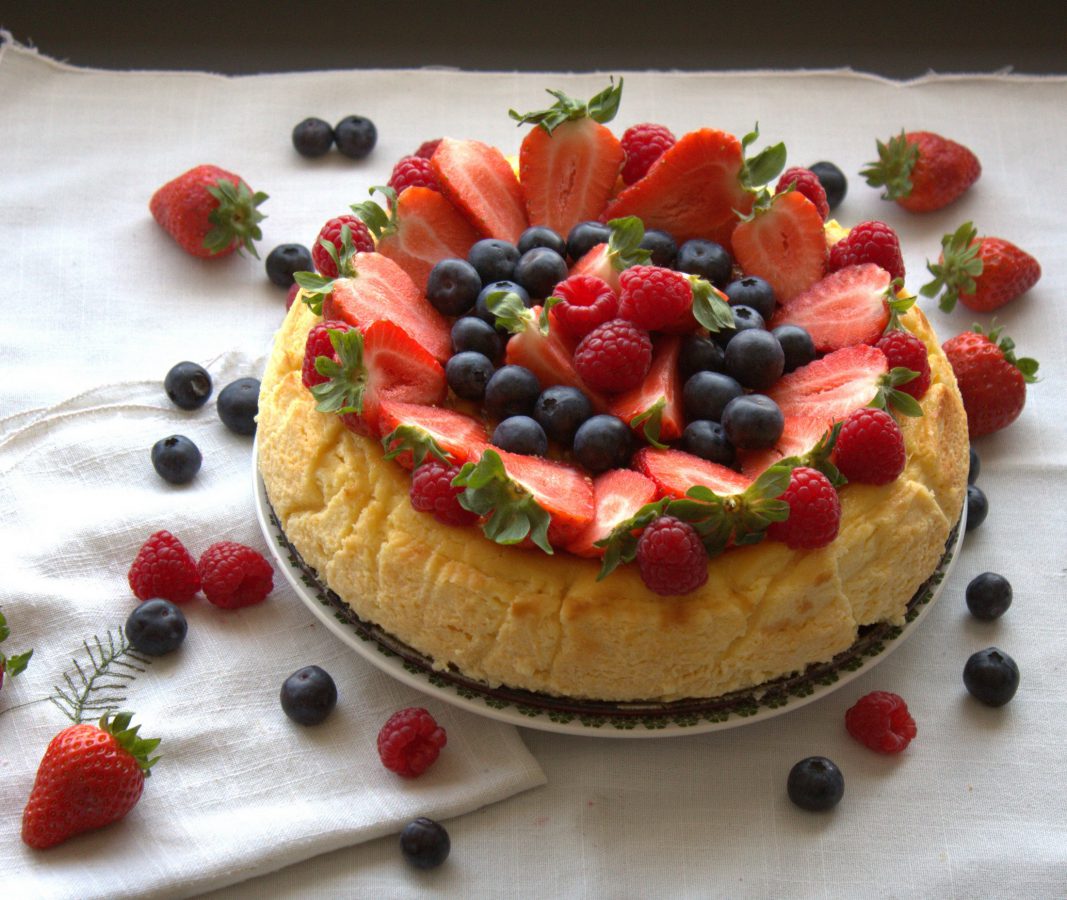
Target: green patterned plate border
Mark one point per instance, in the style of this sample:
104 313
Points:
588 717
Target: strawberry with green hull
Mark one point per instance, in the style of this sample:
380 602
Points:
621 251
481 184
413 433
569 162
618 495
654 408
922 171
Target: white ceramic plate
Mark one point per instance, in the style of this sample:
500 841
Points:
584 717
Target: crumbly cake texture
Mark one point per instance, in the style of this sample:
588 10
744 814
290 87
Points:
505 615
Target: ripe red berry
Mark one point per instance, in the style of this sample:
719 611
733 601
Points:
807 183
294 289
585 302
432 491
671 557
234 575
164 568
413 171
318 344
904 350
881 721
614 357
869 242
426 148
644 144
870 447
410 741
652 297
331 233
814 511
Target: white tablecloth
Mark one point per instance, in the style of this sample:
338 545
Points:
94 294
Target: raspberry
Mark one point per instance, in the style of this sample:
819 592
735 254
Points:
869 242
644 144
426 148
164 568
653 298
331 233
412 171
613 357
814 511
881 721
410 742
807 183
234 575
904 350
671 557
586 301
870 447
318 344
432 491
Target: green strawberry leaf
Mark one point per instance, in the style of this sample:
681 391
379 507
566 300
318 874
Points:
892 170
316 287
710 308
652 420
346 382
620 546
624 245
543 321
12 665
378 221
765 166
958 269
601 108
127 738
235 218
418 441
511 313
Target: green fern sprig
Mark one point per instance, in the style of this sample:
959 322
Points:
98 685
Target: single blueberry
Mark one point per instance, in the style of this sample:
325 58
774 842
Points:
468 373
188 385
453 286
285 260
707 259
561 410
313 137
424 843
355 136
815 784
511 391
472 333
176 459
494 259
539 270
755 358
238 405
156 627
603 442
584 236
706 394
797 345
753 422
975 467
833 181
309 695
699 354
662 246
991 676
988 596
541 236
977 507
752 291
521 434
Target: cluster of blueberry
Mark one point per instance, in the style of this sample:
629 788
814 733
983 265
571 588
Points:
355 137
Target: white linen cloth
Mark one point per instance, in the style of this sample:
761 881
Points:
974 808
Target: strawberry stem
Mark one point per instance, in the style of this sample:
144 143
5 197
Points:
601 108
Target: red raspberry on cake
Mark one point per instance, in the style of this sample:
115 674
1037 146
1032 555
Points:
880 720
807 183
318 344
410 742
614 357
814 511
644 144
870 447
869 242
653 297
671 557
233 575
432 491
585 301
412 171
426 148
164 568
905 350
332 233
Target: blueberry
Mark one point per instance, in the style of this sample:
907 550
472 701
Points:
755 358
511 391
753 422
584 236
521 434
745 318
975 467
991 676
661 245
699 354
308 695
238 404
494 259
833 181
468 373
176 458
313 137
707 259
355 136
797 345
424 843
977 506
156 627
706 394
539 270
188 385
561 410
453 287
752 291
481 304
815 784
603 442
472 333
708 441
286 259
988 596
541 236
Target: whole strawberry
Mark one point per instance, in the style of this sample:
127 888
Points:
89 777
991 378
983 273
922 171
210 212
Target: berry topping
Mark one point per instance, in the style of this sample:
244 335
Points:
539 270
880 720
410 742
653 297
468 374
755 358
814 511
412 171
619 493
355 136
977 507
313 137
582 303
991 676
833 181
654 407
869 242
752 422
432 491
560 410
233 575
675 472
176 459
807 183
815 784
661 246
614 357
309 695
164 568
511 391
453 287
584 236
188 385
482 185
500 288
708 440
603 442
318 344
753 292
834 385
870 447
357 238
542 236
521 434
643 145
238 405
473 333
412 431
904 350
494 259
284 261
709 260
706 394
424 843
427 148
797 345
671 557
988 596
922 171
699 354
156 627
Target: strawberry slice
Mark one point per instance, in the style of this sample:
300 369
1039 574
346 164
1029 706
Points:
380 289
412 432
482 185
654 407
800 435
563 491
849 306
829 388
784 243
422 229
618 495
675 472
694 190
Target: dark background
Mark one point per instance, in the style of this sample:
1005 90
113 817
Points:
900 40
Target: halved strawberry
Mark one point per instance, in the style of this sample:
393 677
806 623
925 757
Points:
618 495
784 243
675 472
799 435
694 190
420 230
623 250
380 289
829 388
654 407
849 306
482 185
411 432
